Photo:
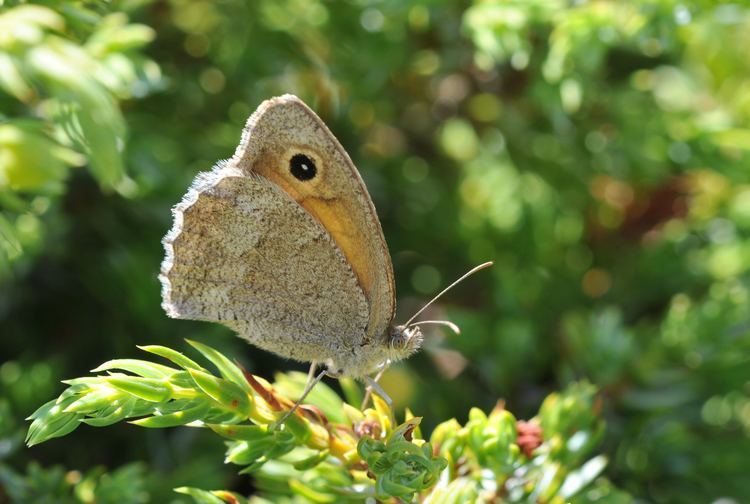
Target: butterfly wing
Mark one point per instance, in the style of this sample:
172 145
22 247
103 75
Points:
298 267
336 197
243 253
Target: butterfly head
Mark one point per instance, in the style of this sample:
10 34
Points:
404 340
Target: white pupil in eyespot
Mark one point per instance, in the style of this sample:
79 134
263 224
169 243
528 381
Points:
302 167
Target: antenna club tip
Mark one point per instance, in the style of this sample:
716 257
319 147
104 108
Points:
478 267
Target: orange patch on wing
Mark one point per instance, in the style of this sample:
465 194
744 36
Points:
333 214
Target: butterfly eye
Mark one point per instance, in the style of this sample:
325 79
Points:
302 167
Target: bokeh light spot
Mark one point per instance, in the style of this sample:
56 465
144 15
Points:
485 107
196 45
419 18
571 94
716 411
425 279
426 62
372 19
452 89
739 207
212 80
568 228
596 282
10 372
415 169
362 114
679 152
459 140
729 260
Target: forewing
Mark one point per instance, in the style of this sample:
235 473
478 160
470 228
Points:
336 198
243 253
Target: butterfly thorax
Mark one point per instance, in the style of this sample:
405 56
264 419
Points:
397 343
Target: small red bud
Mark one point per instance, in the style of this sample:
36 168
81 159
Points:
530 437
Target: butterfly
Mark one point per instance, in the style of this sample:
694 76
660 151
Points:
282 244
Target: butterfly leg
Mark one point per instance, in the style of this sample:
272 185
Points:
374 386
311 372
312 380
368 389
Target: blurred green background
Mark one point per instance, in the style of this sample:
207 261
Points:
598 152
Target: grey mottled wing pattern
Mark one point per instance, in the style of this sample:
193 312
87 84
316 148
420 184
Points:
241 252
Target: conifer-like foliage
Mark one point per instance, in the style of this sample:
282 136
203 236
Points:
331 451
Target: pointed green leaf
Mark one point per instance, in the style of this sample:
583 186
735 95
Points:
51 421
93 401
172 355
227 368
226 393
148 389
309 494
299 427
311 461
139 367
243 452
199 496
579 479
12 80
250 433
183 417
118 411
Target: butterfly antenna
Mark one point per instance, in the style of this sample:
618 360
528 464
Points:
453 326
450 325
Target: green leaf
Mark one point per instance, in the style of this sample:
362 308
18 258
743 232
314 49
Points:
299 427
311 461
244 453
226 368
114 35
30 160
580 478
226 393
292 384
183 417
12 80
231 497
94 400
119 410
250 433
25 26
172 355
309 494
50 421
84 109
136 366
199 496
148 389
256 452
